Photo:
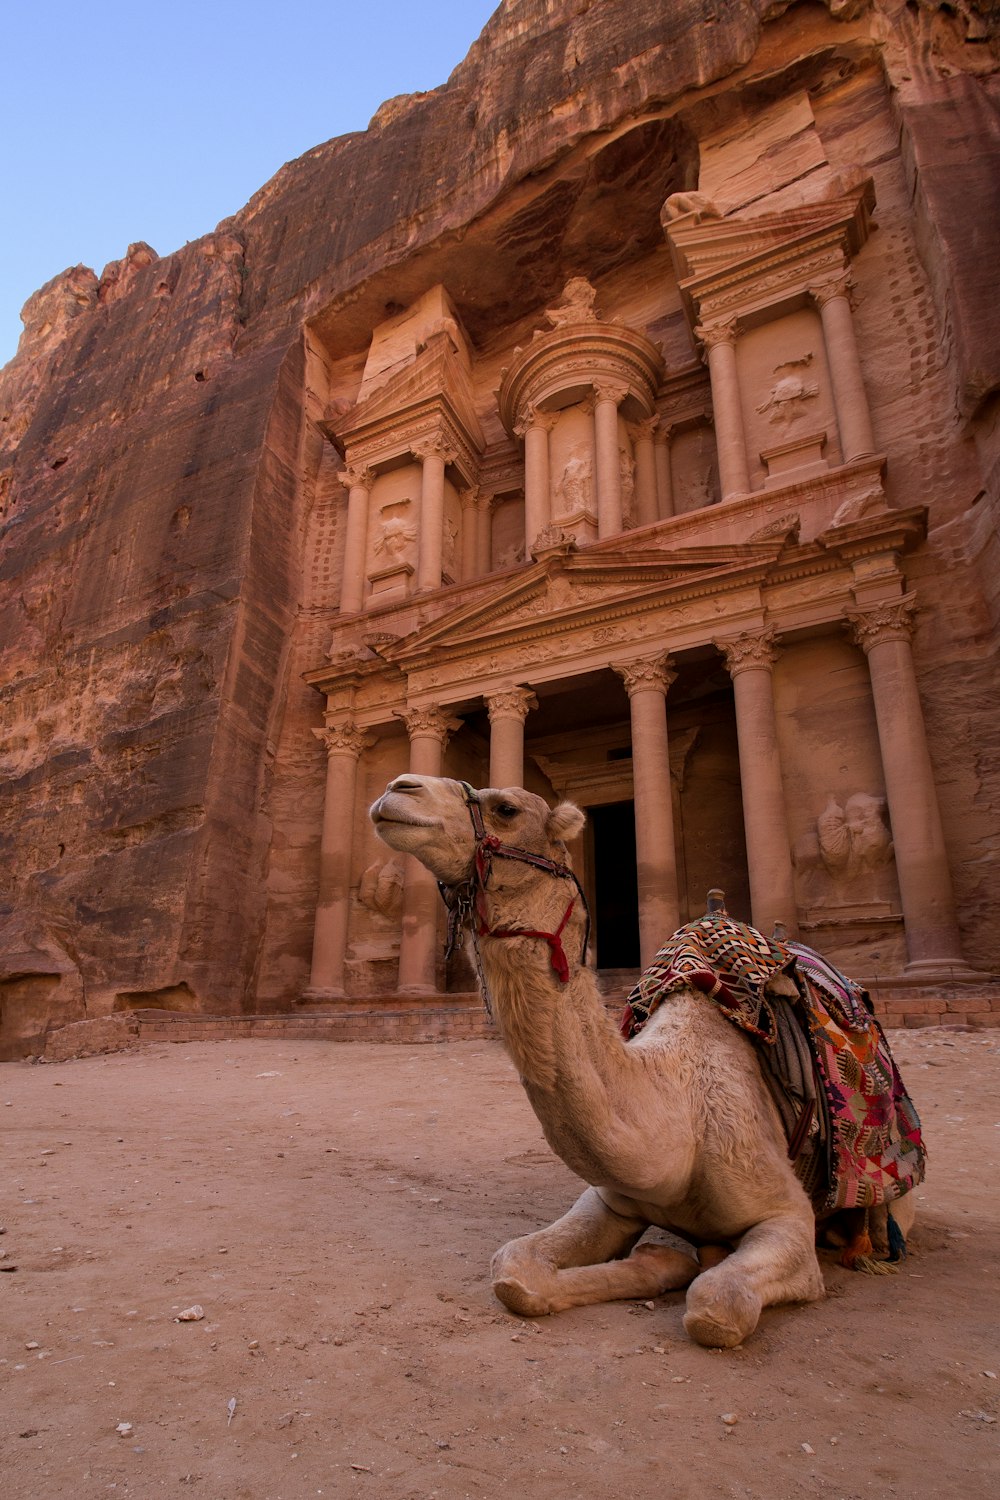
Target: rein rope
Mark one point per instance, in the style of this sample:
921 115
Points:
467 907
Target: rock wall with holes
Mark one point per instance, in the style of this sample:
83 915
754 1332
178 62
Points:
173 534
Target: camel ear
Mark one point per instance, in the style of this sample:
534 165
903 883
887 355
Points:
565 821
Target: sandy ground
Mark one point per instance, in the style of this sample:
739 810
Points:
333 1209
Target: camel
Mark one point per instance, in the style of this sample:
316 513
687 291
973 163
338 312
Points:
675 1129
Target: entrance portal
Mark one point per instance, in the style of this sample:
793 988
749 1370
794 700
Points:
616 892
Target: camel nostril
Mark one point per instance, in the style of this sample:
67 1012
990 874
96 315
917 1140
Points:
404 784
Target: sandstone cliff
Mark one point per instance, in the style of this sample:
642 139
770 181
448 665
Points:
160 450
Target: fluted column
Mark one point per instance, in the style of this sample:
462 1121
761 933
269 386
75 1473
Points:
535 428
854 421
433 458
428 729
607 461
664 479
720 342
647 683
647 509
508 710
344 744
932 938
358 483
750 660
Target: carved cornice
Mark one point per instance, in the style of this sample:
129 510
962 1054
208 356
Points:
344 739
649 674
749 652
511 703
428 722
878 623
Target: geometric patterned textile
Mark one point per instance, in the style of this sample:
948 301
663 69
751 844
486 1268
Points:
854 1133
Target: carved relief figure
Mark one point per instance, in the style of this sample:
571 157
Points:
626 467
785 401
576 305
381 887
854 839
394 539
574 488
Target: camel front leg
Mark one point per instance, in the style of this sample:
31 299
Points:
775 1262
578 1260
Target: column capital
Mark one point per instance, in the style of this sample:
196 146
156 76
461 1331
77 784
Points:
469 499
344 739
433 447
534 417
749 651
891 621
653 673
510 703
837 284
713 334
610 390
647 429
357 478
428 722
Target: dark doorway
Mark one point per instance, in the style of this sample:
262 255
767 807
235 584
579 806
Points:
616 892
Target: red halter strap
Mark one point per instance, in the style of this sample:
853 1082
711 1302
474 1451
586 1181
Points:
466 899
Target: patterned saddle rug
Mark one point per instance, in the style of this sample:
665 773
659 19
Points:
853 1133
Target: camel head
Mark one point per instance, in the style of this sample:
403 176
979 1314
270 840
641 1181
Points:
429 816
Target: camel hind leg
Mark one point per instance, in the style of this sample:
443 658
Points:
584 1258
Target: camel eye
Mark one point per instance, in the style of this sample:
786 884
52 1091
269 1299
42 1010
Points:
506 810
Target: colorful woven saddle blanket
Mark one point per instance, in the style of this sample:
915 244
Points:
853 1133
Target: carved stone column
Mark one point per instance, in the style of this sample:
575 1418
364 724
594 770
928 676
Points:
508 710
433 457
647 508
647 683
344 744
358 483
428 729
607 463
535 429
664 479
853 414
720 342
750 660
932 940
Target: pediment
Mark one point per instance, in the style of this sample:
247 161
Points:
572 587
436 376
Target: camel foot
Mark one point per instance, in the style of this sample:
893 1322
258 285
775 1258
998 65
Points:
721 1321
516 1297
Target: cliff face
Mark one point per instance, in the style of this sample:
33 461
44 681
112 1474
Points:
159 448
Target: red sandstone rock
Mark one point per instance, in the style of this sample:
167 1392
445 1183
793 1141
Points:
169 553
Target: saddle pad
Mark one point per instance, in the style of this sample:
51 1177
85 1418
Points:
855 1134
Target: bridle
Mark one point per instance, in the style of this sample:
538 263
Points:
467 906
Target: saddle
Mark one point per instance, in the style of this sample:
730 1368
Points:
853 1133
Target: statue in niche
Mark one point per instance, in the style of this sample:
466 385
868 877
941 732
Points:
381 888
576 305
626 468
786 398
450 544
696 487
854 839
394 539
573 489
508 556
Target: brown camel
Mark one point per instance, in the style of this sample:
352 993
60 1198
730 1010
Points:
674 1129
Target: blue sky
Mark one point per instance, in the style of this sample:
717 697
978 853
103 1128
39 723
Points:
125 121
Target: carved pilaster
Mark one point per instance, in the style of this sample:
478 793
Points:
891 621
749 652
640 676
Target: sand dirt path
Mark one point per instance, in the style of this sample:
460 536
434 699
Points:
333 1209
